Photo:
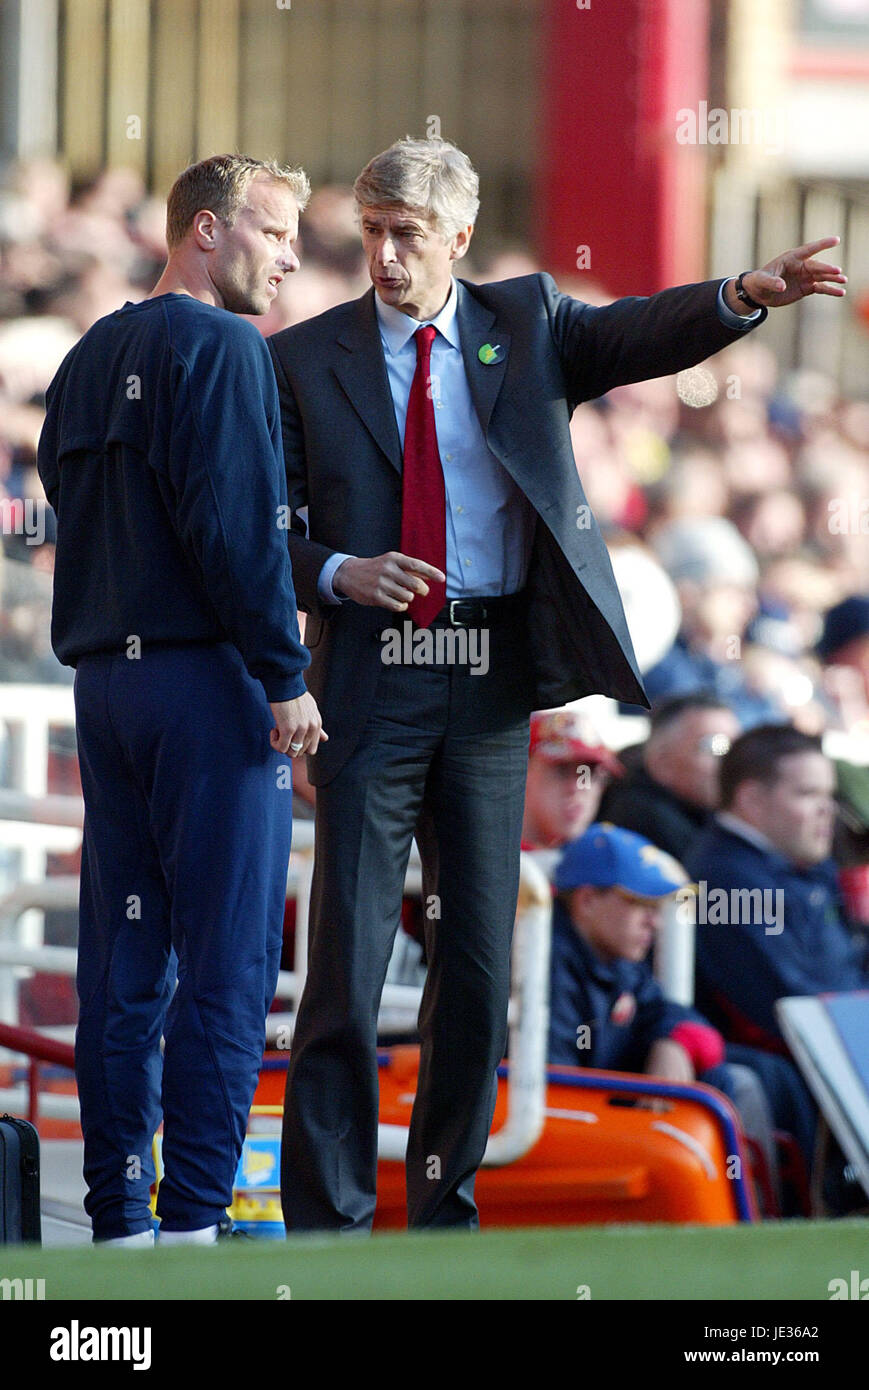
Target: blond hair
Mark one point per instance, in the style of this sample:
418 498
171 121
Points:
220 184
429 176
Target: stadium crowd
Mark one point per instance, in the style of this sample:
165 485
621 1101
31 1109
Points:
734 500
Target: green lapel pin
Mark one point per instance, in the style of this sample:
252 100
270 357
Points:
489 354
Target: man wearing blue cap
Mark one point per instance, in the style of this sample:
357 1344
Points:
608 1011
606 1008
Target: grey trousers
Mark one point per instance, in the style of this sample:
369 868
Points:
443 756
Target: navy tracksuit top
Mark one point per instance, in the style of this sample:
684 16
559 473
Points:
620 1001
162 457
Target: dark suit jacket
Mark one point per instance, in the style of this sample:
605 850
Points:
640 803
344 457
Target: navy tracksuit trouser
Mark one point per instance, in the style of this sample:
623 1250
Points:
188 821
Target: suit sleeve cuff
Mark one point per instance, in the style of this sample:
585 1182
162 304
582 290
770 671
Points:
740 322
324 582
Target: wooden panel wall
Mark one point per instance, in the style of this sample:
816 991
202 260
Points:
322 83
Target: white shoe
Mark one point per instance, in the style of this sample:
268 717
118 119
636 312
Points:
142 1240
206 1236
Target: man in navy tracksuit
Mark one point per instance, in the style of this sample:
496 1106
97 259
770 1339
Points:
161 455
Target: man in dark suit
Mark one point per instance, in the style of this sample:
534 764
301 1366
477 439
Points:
425 429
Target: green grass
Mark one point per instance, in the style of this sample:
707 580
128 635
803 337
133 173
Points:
784 1260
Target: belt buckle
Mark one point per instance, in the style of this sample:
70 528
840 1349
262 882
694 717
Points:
458 603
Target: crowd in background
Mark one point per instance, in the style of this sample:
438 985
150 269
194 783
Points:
734 498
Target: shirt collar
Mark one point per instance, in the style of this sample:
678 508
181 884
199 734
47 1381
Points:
728 821
397 329
739 827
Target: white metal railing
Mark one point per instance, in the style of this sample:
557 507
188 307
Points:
526 1082
13 1099
29 711
48 810
529 1008
35 822
27 714
528 1016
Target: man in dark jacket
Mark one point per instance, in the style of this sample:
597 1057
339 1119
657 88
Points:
671 794
426 433
770 920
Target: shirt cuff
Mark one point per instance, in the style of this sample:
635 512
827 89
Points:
730 320
324 582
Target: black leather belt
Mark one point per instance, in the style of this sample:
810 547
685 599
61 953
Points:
479 612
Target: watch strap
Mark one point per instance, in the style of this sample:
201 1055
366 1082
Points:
743 293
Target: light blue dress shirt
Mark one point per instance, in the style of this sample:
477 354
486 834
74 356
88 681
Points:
490 522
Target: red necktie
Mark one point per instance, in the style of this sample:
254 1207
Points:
423 511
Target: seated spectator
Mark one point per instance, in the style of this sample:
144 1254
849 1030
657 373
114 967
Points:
716 575
770 916
568 769
608 1011
606 1008
770 921
673 792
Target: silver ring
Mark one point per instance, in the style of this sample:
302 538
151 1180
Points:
297 747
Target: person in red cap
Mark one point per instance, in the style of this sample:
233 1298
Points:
569 768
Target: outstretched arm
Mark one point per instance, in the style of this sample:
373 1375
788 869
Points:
789 277
634 339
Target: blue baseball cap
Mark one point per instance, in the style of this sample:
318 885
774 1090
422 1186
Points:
607 856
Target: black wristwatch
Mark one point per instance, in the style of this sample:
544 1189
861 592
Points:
744 295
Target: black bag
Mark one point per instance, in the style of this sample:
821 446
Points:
19 1182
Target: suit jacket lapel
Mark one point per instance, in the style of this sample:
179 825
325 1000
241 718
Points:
476 329
361 370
